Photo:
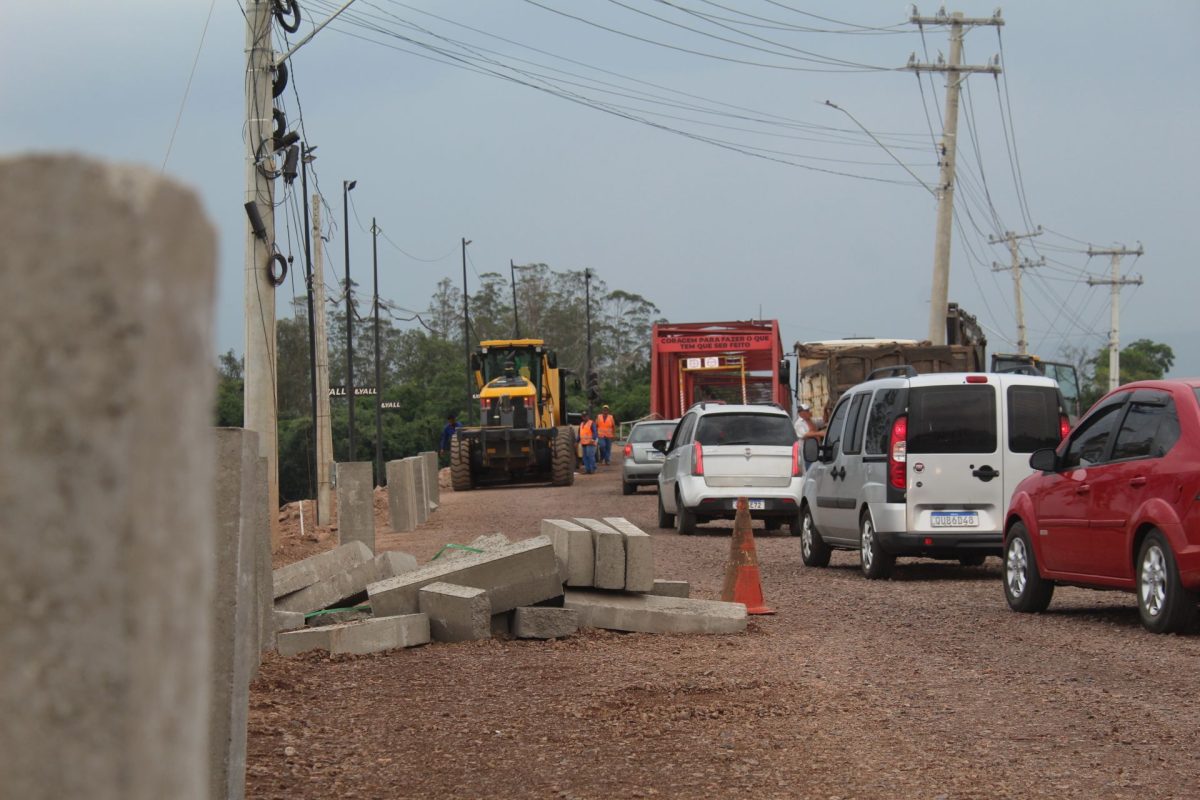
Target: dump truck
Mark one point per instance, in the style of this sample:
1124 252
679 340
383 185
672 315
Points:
523 434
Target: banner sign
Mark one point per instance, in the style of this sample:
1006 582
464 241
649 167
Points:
359 391
717 343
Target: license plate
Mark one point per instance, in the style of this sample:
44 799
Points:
954 519
757 505
654 455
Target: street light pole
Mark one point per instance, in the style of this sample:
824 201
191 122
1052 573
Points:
466 329
346 187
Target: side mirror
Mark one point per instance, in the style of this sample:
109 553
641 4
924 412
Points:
660 445
1044 460
811 450
552 360
825 453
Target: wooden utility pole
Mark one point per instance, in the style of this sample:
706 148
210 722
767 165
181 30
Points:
1017 266
1115 282
957 73
324 429
259 402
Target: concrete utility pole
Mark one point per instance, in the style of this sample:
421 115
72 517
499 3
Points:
259 402
346 187
324 429
512 271
1017 266
467 332
1116 282
379 476
945 217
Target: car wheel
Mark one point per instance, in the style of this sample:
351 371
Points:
1024 587
685 519
627 488
972 561
813 549
876 564
665 520
1164 605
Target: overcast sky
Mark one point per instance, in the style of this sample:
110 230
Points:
1095 117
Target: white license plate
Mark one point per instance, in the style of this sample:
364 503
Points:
757 505
954 519
654 455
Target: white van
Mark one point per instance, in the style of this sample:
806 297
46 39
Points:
924 465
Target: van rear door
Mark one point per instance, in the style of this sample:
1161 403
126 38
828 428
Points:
955 460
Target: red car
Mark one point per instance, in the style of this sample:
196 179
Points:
1115 506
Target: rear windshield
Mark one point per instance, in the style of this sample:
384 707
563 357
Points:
1034 418
745 428
952 419
651 433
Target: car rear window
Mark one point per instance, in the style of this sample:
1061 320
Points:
1034 417
717 429
952 419
651 433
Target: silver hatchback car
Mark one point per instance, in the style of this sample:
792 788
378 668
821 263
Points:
642 463
722 452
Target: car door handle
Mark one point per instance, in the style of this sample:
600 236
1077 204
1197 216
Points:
1083 489
986 473
1140 480
833 473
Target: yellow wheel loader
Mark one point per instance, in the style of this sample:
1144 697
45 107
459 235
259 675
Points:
523 435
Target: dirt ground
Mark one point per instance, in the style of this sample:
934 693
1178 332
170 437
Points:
922 686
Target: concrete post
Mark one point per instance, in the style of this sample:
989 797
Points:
106 482
432 490
401 496
418 483
356 502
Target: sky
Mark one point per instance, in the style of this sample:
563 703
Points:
681 149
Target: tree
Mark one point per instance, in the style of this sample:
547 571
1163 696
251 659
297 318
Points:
230 404
1141 360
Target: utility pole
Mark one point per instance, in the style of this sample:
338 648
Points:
512 271
1017 266
305 157
346 187
259 407
957 73
324 430
378 374
1115 282
466 330
587 294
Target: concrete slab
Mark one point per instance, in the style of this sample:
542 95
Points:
401 499
359 638
671 589
610 554
574 549
540 622
356 502
337 589
321 619
521 574
484 543
301 574
288 621
456 613
639 555
648 613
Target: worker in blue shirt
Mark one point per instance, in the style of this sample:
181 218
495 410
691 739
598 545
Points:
452 425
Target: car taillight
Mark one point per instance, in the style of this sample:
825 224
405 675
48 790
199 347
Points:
628 450
697 459
796 470
1064 426
898 454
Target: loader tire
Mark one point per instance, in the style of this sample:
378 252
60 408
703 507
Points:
460 464
562 460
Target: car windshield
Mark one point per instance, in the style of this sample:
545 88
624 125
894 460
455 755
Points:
651 433
742 428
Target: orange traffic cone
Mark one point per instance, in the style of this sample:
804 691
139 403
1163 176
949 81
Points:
742 581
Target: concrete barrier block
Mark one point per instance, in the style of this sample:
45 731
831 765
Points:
420 492
610 554
456 613
648 613
321 619
431 479
671 589
540 622
639 554
359 638
392 563
521 574
287 621
574 549
302 574
484 543
347 585
401 498
356 503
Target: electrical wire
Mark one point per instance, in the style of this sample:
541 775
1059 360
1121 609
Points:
188 87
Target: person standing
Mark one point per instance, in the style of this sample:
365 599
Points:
587 440
452 426
806 428
606 431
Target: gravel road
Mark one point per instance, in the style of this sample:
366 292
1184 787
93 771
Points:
922 686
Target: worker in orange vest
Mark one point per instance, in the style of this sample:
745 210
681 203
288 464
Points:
606 431
587 439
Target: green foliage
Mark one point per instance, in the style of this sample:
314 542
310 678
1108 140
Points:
229 405
1141 360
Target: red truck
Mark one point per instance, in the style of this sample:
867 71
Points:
733 362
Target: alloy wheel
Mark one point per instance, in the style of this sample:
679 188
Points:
868 536
1154 580
1016 567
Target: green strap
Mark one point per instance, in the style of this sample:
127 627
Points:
462 547
312 614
